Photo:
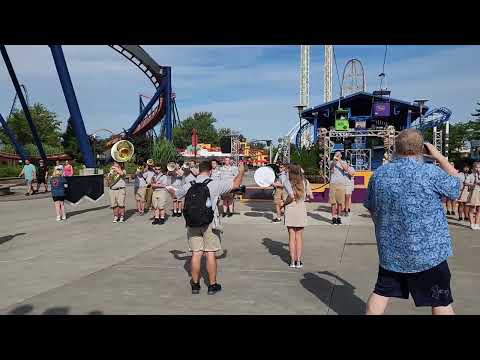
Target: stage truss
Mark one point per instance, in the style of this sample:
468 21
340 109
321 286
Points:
325 142
235 148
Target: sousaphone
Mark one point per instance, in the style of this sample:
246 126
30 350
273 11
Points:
122 151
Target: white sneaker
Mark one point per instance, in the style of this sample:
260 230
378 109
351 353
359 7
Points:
473 226
299 264
121 220
115 219
64 217
59 218
292 265
477 227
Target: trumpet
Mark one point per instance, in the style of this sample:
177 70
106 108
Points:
171 166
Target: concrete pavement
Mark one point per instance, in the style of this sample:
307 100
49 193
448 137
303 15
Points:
87 265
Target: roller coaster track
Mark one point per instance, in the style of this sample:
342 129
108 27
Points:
140 58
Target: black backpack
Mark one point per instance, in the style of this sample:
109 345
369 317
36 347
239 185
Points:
196 211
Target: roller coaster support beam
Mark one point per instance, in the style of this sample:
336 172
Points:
72 104
26 111
146 108
13 139
168 104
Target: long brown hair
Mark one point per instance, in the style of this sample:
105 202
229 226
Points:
297 180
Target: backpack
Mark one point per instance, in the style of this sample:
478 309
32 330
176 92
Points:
196 211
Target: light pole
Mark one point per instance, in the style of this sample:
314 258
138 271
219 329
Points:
420 103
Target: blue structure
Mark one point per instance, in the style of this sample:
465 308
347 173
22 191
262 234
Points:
75 114
361 108
160 76
13 139
25 108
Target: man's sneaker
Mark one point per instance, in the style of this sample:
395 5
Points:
292 264
299 264
334 221
161 221
59 218
195 287
339 221
115 219
121 219
213 289
155 221
276 220
64 217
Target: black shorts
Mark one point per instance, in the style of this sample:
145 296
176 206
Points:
41 181
428 288
58 198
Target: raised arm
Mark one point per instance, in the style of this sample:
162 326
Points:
238 179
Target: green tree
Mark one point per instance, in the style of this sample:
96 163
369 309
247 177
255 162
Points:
70 143
203 122
46 122
476 113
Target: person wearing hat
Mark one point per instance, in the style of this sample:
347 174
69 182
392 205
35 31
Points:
140 188
161 196
148 175
116 183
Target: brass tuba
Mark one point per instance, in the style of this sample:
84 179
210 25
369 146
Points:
171 166
122 151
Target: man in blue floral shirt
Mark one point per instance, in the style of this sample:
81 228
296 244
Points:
405 201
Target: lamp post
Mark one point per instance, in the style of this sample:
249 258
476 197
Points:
420 103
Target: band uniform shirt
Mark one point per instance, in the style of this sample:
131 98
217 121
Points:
161 179
29 172
216 174
120 183
229 172
405 200
190 177
217 188
338 175
140 180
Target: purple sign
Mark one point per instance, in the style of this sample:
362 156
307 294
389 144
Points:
381 109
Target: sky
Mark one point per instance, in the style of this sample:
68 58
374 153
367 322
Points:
252 89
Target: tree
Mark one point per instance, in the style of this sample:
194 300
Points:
70 143
476 113
203 122
46 122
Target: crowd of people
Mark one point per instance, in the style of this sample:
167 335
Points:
40 174
405 201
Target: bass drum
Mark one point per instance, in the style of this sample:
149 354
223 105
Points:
264 176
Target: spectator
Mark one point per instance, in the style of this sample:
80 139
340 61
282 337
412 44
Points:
68 169
58 183
413 241
29 172
42 176
339 179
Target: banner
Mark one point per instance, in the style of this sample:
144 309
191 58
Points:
90 187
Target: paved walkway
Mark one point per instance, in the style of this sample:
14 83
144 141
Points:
87 265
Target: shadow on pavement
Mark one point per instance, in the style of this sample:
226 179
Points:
459 225
319 217
78 212
4 239
266 215
365 216
277 248
183 256
341 299
324 208
57 310
360 244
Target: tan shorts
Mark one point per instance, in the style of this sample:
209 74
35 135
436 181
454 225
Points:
117 198
228 196
140 194
203 238
160 199
278 196
337 194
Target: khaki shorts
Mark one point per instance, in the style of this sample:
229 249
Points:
203 238
140 194
278 196
117 198
160 199
337 194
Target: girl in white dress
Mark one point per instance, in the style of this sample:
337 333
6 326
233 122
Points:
474 198
463 208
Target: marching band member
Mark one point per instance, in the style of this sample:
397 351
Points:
339 171
228 173
140 187
149 173
473 180
160 196
216 174
463 208
349 187
116 183
177 182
